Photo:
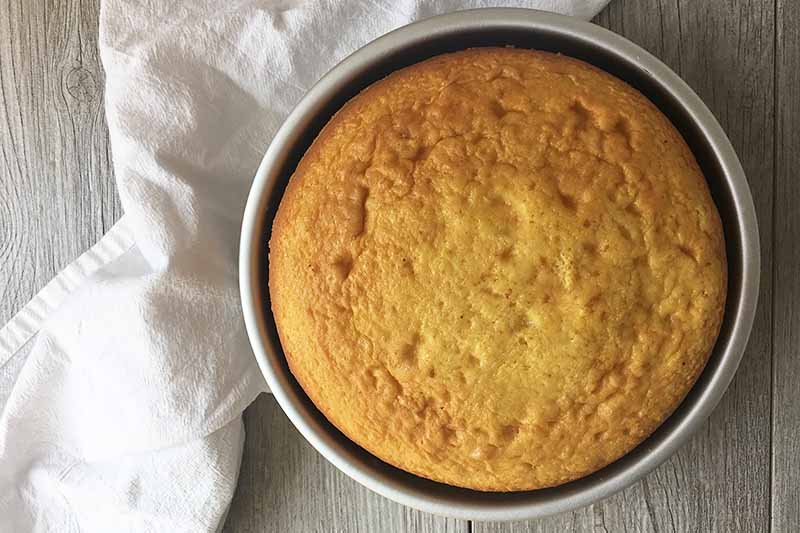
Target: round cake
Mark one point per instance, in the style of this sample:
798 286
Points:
499 269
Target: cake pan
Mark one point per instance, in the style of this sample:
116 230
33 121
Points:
524 29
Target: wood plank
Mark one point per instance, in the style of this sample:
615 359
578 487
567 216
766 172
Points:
720 480
57 195
786 338
285 485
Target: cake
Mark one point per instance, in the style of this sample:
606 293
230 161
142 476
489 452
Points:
498 269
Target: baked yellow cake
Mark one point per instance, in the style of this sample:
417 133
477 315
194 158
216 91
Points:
498 269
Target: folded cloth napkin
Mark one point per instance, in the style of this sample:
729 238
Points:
123 382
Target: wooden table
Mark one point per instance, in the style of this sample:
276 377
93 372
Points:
741 472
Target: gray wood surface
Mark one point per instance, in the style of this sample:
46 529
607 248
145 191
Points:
57 194
786 236
741 472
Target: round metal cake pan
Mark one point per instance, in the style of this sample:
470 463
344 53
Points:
523 29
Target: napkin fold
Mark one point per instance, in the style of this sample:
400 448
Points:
123 381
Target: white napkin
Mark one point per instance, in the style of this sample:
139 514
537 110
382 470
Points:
123 382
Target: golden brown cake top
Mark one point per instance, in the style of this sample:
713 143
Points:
500 269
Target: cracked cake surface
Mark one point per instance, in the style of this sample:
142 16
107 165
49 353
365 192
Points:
499 269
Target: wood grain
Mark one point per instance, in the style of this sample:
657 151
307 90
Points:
57 195
786 332
720 481
57 198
